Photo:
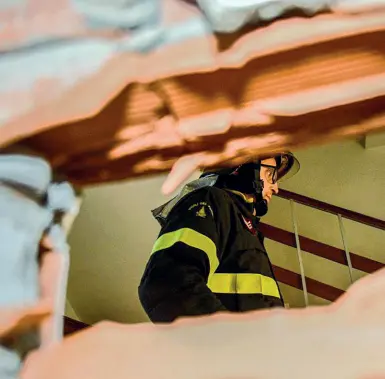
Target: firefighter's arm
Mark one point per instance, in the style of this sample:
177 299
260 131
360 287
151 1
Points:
185 254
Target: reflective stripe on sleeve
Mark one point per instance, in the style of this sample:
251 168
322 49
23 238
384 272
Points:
243 284
191 238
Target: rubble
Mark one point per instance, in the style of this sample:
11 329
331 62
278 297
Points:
294 83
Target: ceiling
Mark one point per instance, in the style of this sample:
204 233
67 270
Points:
112 238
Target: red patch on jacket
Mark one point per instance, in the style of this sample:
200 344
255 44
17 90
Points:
249 225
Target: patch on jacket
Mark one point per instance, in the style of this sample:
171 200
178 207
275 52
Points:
200 209
249 225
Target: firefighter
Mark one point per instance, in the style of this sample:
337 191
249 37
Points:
209 255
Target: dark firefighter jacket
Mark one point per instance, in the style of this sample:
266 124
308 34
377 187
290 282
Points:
208 258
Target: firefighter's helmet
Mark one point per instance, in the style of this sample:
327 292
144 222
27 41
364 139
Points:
287 166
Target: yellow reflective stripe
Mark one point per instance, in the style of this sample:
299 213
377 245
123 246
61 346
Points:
243 284
191 238
243 196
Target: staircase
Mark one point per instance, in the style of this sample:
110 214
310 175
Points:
302 244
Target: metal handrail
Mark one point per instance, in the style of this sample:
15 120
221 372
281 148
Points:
359 262
322 206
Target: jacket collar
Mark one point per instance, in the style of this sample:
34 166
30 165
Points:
243 196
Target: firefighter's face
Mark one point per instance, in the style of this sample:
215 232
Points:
266 173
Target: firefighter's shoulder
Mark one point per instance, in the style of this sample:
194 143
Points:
208 194
205 199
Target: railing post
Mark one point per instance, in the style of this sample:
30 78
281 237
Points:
343 236
299 253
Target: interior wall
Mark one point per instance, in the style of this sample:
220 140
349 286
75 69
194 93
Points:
343 174
70 312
